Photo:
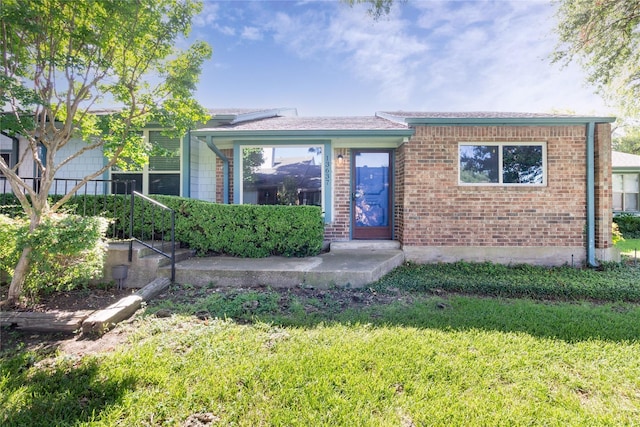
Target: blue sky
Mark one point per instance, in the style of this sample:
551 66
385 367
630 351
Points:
328 59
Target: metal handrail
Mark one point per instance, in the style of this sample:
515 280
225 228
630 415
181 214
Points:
104 187
164 210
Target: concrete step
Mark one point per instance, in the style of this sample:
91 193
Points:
357 269
144 265
359 245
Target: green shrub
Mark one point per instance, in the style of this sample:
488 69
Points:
9 228
616 235
628 224
250 231
67 251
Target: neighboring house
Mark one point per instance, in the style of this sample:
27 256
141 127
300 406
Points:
626 174
504 187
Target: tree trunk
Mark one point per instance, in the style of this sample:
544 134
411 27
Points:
19 276
24 264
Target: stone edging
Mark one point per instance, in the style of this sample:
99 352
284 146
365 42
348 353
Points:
97 322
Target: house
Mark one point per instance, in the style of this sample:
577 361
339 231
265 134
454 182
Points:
626 173
503 187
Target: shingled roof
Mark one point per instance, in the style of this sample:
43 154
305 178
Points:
314 123
624 160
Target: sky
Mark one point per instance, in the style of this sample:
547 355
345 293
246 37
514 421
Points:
325 58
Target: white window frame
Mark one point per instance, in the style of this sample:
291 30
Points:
500 145
145 169
624 199
301 144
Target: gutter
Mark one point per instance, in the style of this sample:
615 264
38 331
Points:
225 168
591 211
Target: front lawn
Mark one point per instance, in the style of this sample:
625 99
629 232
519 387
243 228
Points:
406 352
629 248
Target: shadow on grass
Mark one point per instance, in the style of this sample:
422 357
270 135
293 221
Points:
568 321
59 395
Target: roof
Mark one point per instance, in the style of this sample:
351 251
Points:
488 118
234 115
315 123
310 127
624 160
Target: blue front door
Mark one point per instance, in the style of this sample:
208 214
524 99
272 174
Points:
371 195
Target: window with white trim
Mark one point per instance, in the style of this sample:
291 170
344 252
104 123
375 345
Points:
282 175
625 192
161 175
502 164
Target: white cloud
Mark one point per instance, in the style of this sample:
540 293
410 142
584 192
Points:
251 33
426 55
208 15
495 56
380 53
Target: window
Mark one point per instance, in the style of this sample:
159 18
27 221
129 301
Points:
625 192
282 175
162 173
7 159
502 164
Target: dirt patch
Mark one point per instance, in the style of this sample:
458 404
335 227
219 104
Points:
313 300
80 299
12 339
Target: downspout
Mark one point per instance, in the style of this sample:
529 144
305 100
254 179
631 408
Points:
591 209
225 168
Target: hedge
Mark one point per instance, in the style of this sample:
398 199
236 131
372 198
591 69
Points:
250 231
628 224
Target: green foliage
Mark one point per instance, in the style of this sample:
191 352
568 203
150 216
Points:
628 224
603 37
242 305
629 248
9 231
249 231
616 282
377 8
67 251
431 361
616 235
629 141
60 59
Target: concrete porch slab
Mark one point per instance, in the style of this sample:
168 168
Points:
355 268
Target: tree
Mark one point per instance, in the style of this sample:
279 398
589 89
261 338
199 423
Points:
602 35
627 142
377 8
60 60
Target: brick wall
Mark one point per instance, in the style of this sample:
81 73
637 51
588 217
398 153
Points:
604 196
436 211
338 229
399 194
220 176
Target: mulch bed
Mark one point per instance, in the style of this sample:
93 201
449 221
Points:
93 298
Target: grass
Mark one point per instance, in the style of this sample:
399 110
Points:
411 353
629 247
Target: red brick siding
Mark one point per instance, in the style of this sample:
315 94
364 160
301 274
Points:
399 192
220 177
338 229
604 195
436 211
